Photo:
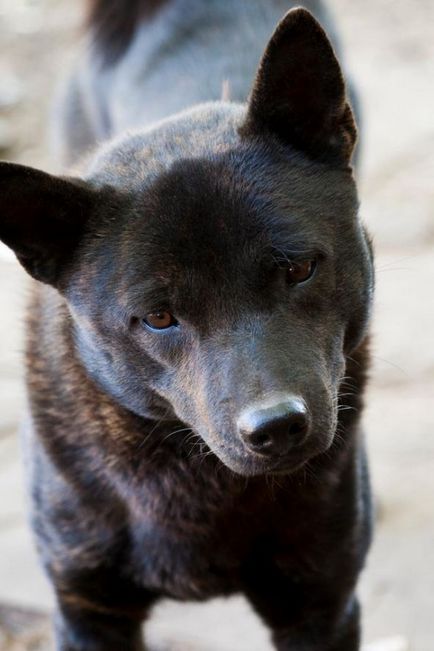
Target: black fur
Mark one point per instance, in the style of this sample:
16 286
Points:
113 23
143 486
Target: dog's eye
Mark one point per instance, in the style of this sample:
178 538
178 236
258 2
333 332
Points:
300 271
160 320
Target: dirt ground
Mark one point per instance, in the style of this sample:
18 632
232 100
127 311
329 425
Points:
389 49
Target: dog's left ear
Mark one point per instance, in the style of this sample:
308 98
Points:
299 92
42 218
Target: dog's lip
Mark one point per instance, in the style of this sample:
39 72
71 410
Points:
252 464
284 464
248 463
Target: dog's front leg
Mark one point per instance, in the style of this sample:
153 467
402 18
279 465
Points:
310 636
300 621
81 629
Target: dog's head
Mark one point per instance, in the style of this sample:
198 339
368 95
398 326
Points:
214 266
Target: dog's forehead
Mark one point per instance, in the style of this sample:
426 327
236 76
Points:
243 197
212 226
139 158
207 217
194 231
209 137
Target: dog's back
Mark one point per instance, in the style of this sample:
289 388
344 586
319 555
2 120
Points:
149 59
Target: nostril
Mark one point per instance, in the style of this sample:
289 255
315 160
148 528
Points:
298 425
261 440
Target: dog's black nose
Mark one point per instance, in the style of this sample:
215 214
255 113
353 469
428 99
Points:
274 429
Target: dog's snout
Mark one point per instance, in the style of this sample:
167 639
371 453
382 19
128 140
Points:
274 429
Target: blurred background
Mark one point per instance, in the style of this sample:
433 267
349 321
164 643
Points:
389 49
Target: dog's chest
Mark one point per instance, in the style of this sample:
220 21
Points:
186 565
191 541
201 543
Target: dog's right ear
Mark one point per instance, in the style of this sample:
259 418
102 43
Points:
42 218
299 92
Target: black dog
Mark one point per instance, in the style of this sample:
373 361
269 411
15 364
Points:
197 351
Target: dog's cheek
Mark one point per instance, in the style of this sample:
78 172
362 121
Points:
356 291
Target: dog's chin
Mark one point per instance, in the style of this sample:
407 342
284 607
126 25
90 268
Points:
262 467
253 465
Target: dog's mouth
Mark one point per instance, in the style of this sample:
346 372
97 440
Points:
251 467
248 464
277 435
273 436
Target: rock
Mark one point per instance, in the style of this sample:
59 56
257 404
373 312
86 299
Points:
11 90
7 138
390 644
23 630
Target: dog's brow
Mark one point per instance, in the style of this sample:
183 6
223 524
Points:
146 296
286 253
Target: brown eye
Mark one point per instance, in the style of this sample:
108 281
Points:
300 271
160 320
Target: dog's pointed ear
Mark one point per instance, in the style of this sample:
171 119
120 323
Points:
42 218
299 92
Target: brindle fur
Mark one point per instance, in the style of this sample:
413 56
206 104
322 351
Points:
141 488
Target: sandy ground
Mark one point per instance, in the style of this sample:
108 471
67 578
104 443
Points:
389 46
